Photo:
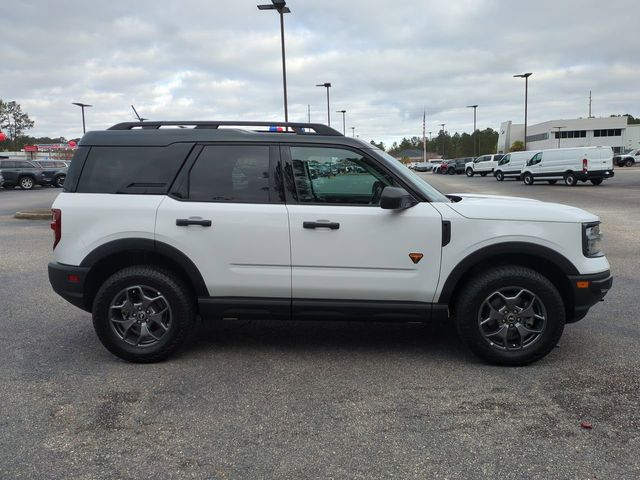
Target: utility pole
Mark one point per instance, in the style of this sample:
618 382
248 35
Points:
590 104
343 112
309 112
443 124
424 135
353 131
475 107
82 106
327 85
526 94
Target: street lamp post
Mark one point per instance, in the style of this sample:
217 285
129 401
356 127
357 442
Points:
83 106
526 92
443 124
475 107
343 112
281 7
353 131
558 133
327 85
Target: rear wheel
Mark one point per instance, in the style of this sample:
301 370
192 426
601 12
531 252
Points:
143 313
628 163
451 171
596 181
499 176
59 181
570 179
26 183
469 172
510 315
551 182
527 178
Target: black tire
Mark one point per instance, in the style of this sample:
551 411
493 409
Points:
527 179
570 179
472 306
451 171
26 183
469 172
629 162
551 182
59 181
483 174
9 186
499 176
597 181
175 295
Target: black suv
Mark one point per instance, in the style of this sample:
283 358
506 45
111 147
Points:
55 171
456 166
23 173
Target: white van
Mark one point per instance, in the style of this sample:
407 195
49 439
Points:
570 164
510 166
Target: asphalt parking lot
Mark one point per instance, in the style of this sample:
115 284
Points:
320 400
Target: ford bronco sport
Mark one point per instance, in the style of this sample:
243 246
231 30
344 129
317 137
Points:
225 220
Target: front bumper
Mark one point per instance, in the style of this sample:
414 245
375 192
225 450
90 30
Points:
69 282
587 291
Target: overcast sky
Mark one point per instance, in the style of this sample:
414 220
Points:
212 60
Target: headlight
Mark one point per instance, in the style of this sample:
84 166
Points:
592 240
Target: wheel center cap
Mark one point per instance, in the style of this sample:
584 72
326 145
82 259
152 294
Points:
511 317
142 316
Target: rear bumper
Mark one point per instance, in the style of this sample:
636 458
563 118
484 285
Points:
69 282
595 174
591 292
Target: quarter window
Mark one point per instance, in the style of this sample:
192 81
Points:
336 176
231 173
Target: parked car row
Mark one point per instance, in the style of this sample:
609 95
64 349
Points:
28 173
594 164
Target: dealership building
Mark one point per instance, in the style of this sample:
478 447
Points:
581 132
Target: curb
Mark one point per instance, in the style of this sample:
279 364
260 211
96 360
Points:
34 215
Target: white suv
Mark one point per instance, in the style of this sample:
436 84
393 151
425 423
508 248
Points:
158 225
483 165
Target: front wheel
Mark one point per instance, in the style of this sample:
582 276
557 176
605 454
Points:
527 178
499 176
451 171
26 183
510 315
596 181
469 172
143 313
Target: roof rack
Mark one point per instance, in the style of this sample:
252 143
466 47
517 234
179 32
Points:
297 128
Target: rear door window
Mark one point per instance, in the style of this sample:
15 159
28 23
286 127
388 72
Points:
231 173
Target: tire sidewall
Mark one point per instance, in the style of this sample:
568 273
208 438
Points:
29 186
499 176
467 316
570 179
469 172
181 309
527 178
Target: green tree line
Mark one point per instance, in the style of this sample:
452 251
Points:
451 146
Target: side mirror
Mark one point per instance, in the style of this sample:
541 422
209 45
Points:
396 198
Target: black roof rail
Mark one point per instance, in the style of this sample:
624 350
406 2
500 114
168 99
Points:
296 127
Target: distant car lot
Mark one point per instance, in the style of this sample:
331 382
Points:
319 399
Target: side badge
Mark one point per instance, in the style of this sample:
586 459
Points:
415 257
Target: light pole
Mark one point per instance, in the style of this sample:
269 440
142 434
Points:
327 85
281 7
443 124
475 107
558 133
82 106
353 131
343 112
526 92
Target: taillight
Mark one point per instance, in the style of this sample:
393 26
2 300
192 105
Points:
56 225
585 165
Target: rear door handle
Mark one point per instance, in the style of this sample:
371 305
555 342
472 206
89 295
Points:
321 224
185 222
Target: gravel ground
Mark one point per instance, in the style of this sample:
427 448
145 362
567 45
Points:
320 400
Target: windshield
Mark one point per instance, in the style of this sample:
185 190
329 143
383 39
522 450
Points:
414 179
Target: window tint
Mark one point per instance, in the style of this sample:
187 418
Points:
132 169
24 165
504 160
337 176
7 164
231 173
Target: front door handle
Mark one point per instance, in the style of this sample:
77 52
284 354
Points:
321 224
185 222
